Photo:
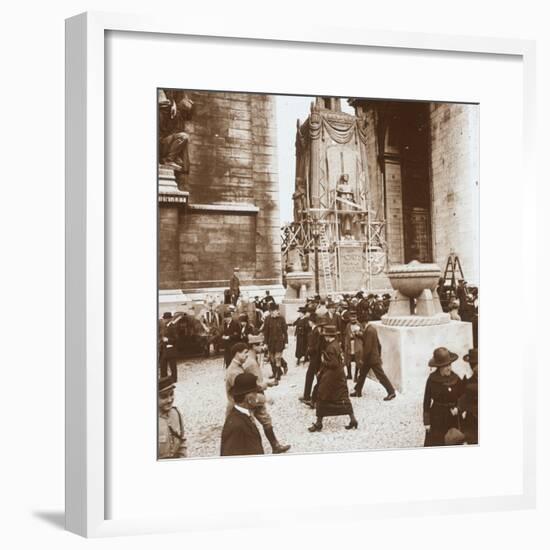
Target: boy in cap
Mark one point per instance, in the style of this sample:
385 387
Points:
172 443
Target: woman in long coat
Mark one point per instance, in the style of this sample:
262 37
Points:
443 390
332 397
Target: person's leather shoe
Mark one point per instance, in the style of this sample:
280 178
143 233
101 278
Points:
390 396
279 449
315 427
355 394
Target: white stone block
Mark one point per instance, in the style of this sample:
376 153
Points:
407 350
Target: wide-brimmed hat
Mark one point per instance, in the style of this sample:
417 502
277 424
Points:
245 383
442 357
471 356
330 330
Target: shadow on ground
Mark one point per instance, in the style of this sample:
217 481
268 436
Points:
55 518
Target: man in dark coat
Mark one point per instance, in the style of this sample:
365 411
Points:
372 359
467 403
315 346
443 390
230 336
275 338
240 435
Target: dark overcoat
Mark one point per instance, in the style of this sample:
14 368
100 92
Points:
275 333
441 395
240 435
332 392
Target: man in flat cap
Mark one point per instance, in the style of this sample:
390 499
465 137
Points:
240 435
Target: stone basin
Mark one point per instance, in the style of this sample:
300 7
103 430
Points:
298 279
412 278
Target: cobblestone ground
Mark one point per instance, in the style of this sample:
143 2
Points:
200 396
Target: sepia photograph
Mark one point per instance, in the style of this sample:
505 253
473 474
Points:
318 274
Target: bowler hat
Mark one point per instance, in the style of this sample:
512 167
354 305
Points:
167 315
243 317
471 356
321 319
245 383
442 357
273 306
330 330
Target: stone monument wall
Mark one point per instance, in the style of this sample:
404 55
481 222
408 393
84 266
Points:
455 185
232 218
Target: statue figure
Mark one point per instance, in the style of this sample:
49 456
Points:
298 198
344 192
174 109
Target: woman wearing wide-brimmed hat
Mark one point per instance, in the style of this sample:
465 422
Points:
443 389
332 396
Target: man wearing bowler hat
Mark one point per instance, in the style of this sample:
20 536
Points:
443 390
467 403
240 435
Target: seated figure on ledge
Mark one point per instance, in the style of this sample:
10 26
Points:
174 109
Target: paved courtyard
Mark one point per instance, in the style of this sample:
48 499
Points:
200 396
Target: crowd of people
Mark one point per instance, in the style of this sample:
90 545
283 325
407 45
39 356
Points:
338 342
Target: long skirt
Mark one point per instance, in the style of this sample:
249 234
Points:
334 408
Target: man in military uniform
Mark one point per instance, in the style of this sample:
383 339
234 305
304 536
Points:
172 443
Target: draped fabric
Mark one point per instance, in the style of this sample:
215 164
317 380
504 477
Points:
338 129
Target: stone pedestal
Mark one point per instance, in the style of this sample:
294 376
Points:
352 276
298 283
406 351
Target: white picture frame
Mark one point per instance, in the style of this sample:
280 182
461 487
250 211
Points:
87 479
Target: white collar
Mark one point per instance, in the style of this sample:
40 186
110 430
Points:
242 409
